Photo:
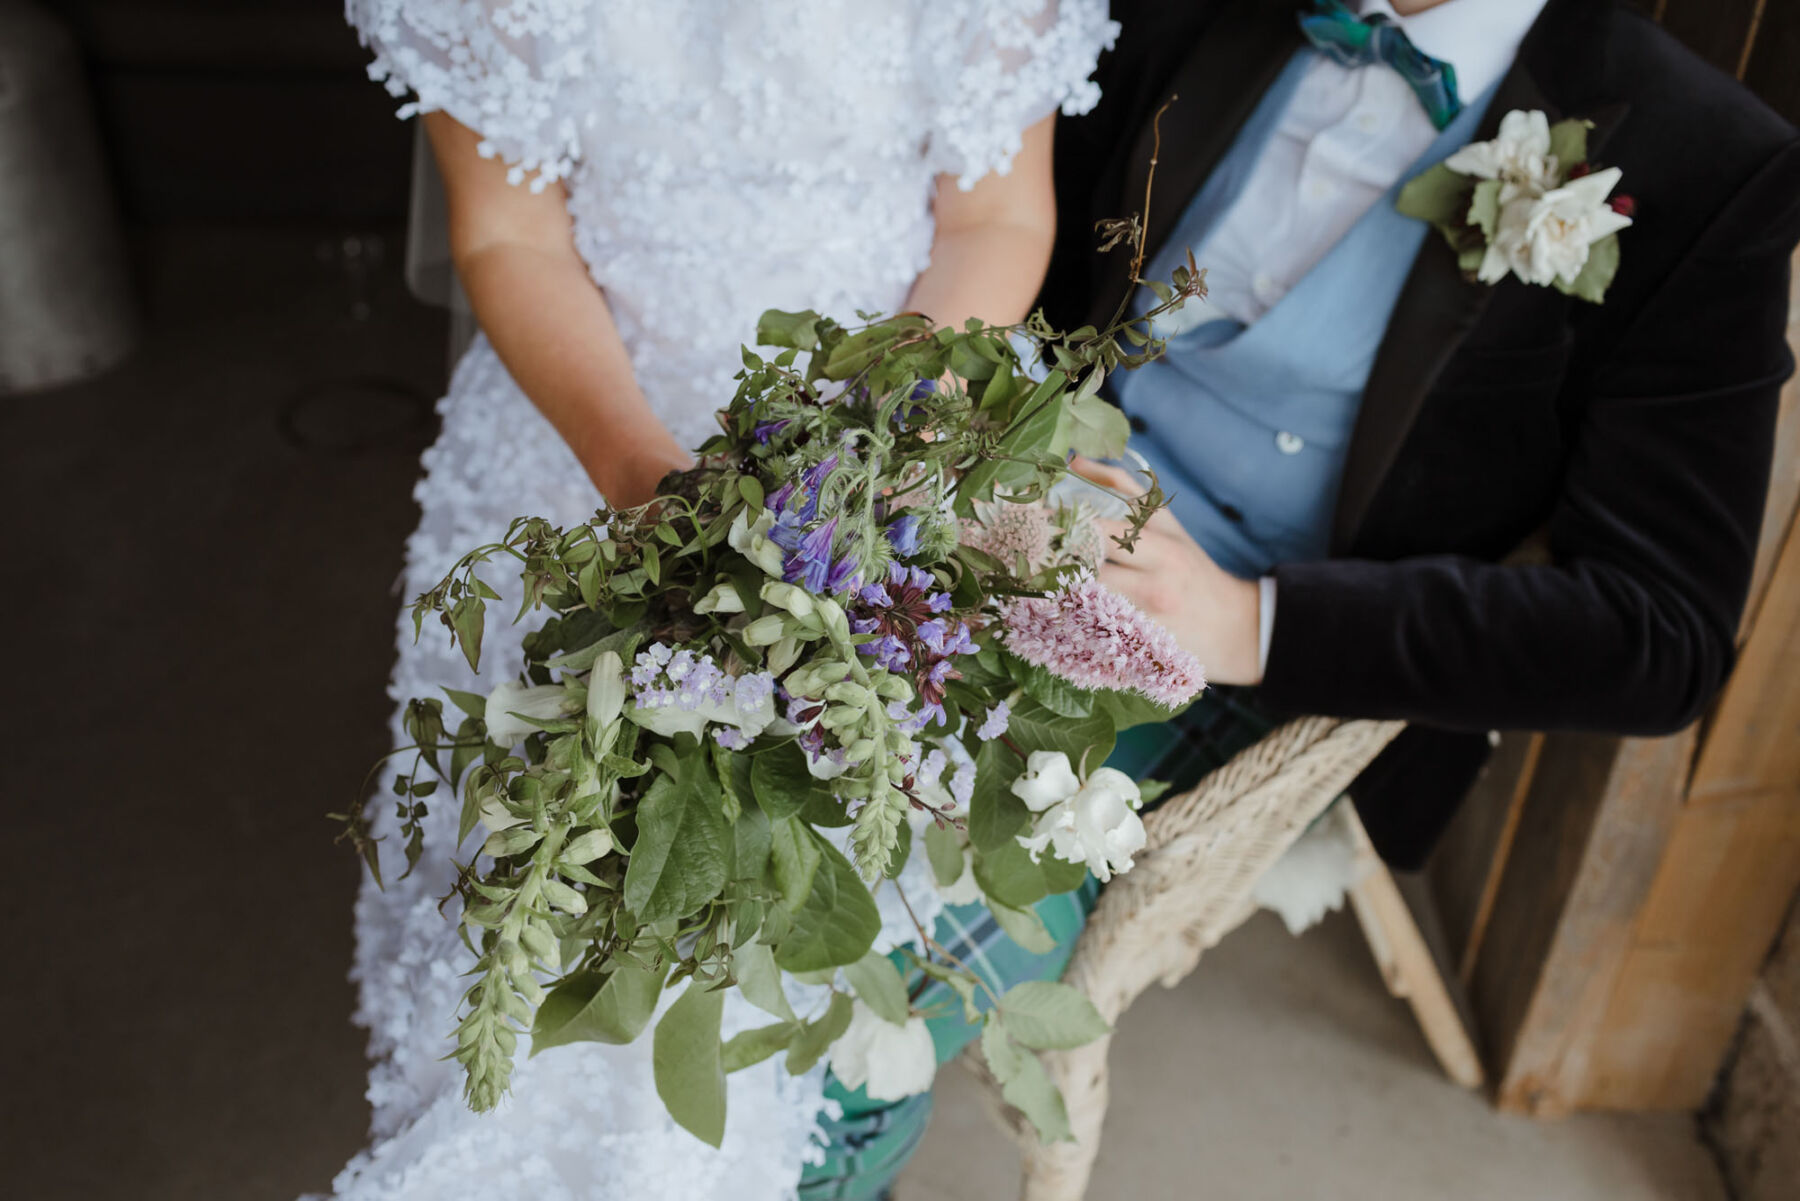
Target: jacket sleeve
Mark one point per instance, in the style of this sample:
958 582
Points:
1631 626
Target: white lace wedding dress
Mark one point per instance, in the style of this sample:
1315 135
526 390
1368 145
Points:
721 157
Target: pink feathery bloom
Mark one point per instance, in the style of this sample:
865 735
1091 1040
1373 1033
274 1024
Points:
1008 531
1094 638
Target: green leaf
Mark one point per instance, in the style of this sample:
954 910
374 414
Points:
1051 1016
877 981
1024 927
1597 275
683 851
996 816
598 1007
1034 728
1097 428
1568 142
903 845
1052 692
1036 432
780 782
1437 194
753 837
838 921
957 981
1024 1083
471 703
753 1046
1484 206
690 1076
751 489
1128 709
760 980
1007 874
794 859
468 617
798 330
944 848
816 1038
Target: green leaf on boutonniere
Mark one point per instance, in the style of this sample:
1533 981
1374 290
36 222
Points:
1437 195
1597 275
1484 206
1568 142
1469 261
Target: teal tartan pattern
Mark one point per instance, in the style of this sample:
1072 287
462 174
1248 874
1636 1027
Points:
1353 41
868 1144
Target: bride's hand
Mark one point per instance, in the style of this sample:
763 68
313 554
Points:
1213 614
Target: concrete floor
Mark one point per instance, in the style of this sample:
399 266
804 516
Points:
198 617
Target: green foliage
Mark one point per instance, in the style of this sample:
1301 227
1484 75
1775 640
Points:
690 1072
837 922
682 855
611 1005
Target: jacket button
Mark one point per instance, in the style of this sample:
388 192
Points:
1138 425
1231 512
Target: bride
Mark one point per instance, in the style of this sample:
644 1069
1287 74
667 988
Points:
630 185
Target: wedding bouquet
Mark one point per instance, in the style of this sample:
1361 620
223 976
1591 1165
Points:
865 627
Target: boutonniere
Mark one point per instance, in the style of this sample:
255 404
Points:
1528 203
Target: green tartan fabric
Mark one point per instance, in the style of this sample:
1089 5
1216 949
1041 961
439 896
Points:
870 1141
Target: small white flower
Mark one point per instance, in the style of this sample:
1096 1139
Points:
1519 158
1547 238
892 1062
542 701
1046 781
606 689
723 598
1098 825
751 539
670 720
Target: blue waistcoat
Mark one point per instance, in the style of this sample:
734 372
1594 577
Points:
1247 427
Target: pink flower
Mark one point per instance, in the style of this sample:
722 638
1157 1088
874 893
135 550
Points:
1094 638
1010 532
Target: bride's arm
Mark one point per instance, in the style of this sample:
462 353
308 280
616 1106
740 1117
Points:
993 242
515 252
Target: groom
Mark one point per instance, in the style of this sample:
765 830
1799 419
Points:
1400 492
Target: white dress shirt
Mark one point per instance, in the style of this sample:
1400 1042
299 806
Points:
1346 136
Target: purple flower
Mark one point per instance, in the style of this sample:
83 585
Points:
768 429
845 576
731 738
810 563
998 718
903 534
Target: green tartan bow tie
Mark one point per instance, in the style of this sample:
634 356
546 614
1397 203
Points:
1354 41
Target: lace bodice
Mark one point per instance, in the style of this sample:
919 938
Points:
723 157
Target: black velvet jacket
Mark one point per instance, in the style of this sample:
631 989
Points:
1631 439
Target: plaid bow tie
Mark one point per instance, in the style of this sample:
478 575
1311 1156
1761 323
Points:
1354 41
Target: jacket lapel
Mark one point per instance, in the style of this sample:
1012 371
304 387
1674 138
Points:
1209 97
1437 307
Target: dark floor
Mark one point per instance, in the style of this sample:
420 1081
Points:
201 550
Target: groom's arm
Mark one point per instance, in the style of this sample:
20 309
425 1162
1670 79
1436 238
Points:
1632 625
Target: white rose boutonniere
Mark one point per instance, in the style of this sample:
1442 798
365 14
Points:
1528 204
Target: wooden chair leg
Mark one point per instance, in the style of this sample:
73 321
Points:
1407 965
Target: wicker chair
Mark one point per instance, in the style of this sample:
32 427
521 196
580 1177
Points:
1190 888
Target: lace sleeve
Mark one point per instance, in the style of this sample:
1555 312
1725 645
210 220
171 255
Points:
1011 63
504 68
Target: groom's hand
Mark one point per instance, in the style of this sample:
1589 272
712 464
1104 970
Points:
1212 614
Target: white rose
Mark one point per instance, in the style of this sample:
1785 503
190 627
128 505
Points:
1546 238
892 1062
1519 158
541 701
1098 826
751 539
1046 781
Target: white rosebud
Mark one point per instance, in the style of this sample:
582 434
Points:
1098 826
1046 781
723 598
541 701
1519 157
889 1061
606 689
1546 238
792 597
751 540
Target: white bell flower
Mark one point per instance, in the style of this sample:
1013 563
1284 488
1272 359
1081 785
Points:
723 598
1047 780
751 539
890 1061
606 689
1098 826
541 701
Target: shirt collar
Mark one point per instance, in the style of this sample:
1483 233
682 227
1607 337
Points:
1480 38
